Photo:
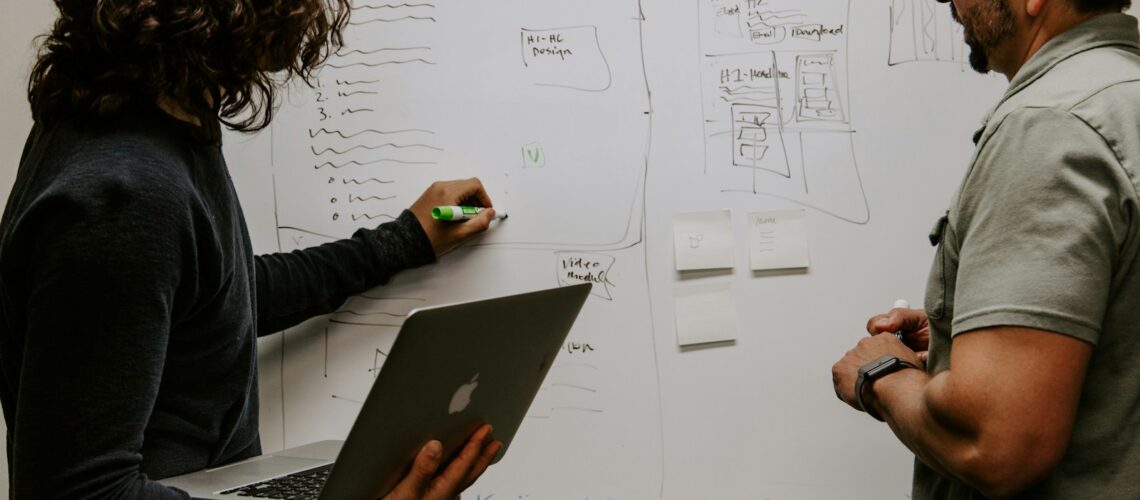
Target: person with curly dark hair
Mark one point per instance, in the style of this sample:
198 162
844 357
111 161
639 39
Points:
130 297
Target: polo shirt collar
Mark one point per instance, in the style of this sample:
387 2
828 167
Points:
1100 31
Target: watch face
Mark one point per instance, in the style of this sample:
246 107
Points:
879 366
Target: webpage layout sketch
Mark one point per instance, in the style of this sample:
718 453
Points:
774 85
546 104
923 30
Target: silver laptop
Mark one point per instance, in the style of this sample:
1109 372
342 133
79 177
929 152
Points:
451 369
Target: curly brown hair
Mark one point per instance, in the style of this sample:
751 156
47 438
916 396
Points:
215 59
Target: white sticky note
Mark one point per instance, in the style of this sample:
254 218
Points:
705 313
703 240
778 239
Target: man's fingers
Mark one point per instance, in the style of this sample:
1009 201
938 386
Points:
878 323
419 478
895 320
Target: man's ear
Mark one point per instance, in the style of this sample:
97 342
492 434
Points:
1033 8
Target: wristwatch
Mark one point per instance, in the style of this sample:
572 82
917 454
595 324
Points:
870 372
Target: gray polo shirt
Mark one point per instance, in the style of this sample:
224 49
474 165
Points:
1044 233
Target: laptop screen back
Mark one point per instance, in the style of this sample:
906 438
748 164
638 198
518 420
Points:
452 369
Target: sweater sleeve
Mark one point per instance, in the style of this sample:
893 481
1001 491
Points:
101 284
295 286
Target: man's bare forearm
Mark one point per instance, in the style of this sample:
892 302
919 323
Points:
954 433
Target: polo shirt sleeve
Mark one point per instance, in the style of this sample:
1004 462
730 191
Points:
1043 216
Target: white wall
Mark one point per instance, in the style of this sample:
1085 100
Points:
20 22
722 422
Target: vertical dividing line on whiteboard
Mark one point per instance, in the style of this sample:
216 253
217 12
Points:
645 243
851 122
277 229
701 86
779 120
803 162
847 72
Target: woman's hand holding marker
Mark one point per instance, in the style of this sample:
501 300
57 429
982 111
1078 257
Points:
445 234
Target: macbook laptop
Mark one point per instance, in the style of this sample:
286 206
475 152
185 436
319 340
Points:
451 369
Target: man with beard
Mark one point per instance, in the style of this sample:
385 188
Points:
130 297
1028 348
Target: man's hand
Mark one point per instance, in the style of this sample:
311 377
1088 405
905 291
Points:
913 324
446 235
846 371
422 482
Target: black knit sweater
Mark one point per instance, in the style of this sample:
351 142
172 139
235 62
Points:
131 303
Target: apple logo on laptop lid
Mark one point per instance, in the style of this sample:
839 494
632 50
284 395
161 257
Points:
462 397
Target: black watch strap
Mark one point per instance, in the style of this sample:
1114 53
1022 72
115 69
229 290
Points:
870 372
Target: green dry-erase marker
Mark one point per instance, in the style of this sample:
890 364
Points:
460 213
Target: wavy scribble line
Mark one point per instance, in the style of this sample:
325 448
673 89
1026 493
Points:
373 162
356 92
372 148
350 111
396 20
314 133
359 182
354 199
358 82
386 49
385 63
356 217
747 89
394 6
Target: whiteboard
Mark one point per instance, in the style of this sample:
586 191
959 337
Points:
592 123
